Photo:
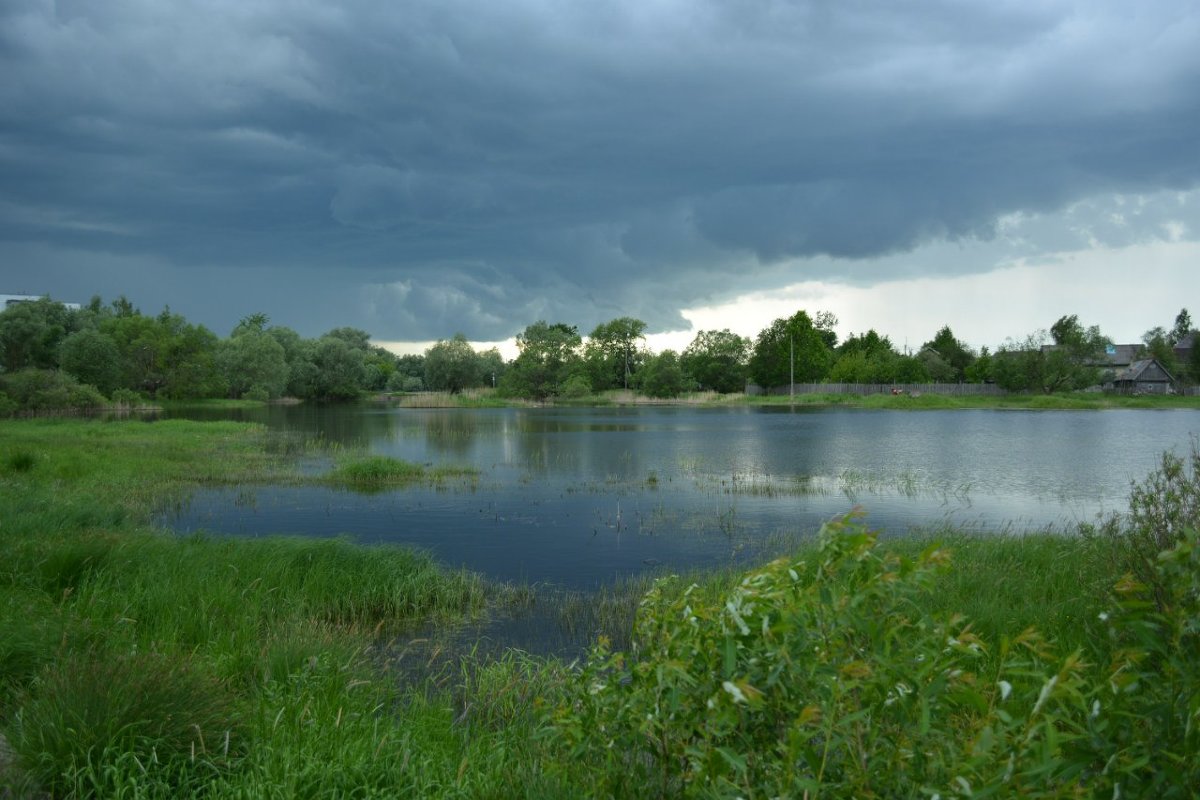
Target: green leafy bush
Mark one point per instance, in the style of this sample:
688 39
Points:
50 390
259 393
126 397
828 678
1161 509
1144 719
8 406
576 387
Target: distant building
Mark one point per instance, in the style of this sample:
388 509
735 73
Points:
1147 376
9 300
1116 359
1183 348
1120 356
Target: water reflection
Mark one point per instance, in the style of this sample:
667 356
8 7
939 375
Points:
579 497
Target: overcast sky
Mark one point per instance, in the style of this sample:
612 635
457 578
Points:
421 168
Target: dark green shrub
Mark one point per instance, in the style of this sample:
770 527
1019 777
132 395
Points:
576 387
50 390
8 406
260 393
93 358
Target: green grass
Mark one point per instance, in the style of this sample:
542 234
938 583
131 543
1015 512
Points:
487 398
213 402
1074 401
144 639
470 398
379 472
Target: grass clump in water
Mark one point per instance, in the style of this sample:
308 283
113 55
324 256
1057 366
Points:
376 472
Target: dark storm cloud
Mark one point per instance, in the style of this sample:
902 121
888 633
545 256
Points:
424 167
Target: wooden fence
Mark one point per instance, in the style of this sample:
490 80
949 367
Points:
955 389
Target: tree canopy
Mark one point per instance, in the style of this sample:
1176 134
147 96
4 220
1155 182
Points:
794 340
717 360
614 353
451 365
548 355
116 346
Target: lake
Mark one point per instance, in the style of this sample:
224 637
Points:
578 497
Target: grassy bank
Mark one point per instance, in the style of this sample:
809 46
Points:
1072 401
119 639
138 664
487 398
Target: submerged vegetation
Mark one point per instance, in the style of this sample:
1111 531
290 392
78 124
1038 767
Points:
140 664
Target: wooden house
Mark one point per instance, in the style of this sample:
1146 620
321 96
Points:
1147 376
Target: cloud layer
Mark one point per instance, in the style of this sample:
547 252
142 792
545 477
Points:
427 167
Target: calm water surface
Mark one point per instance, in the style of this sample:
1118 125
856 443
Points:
577 497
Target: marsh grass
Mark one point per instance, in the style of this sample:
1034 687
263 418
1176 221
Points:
87 715
376 473
127 654
470 398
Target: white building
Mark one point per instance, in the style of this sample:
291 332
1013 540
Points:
8 300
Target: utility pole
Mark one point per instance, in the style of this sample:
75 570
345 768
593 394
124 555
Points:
792 360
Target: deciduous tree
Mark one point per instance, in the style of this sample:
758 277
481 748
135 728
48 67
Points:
548 355
662 375
451 365
93 358
615 352
1182 327
951 353
30 333
717 360
784 340
253 361
338 369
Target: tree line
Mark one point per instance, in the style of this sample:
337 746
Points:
53 356
555 360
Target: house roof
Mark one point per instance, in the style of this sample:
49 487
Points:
1114 355
1119 354
1142 371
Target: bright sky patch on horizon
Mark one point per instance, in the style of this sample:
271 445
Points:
444 166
